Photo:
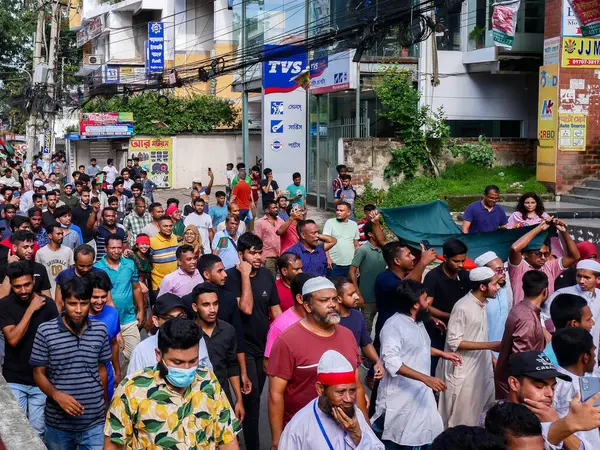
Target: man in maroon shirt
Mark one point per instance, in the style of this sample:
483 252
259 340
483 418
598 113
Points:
523 331
289 265
295 355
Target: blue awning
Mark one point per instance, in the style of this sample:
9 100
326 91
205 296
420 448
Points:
77 137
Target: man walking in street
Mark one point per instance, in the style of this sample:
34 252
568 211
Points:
55 257
156 212
313 255
72 233
218 212
266 229
126 292
225 242
345 232
203 222
346 194
35 219
163 247
21 314
69 356
186 277
485 215
48 212
107 228
81 215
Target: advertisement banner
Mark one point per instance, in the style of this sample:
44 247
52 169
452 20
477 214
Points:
588 16
91 31
547 123
285 80
155 158
155 58
581 52
572 128
504 22
551 50
105 124
333 73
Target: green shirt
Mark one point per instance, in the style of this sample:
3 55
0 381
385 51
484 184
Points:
370 262
236 180
295 190
345 233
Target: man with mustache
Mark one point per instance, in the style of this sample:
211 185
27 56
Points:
21 314
295 355
340 424
69 355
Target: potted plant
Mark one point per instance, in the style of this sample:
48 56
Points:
476 35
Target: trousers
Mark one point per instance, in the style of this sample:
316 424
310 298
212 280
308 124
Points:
257 375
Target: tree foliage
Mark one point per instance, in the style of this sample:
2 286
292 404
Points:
424 132
195 114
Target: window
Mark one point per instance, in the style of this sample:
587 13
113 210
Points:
487 128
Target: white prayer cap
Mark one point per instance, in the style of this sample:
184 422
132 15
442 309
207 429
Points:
589 264
485 259
197 180
316 284
481 274
38 183
334 369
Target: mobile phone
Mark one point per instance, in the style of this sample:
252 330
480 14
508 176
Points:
425 243
16 194
296 207
589 386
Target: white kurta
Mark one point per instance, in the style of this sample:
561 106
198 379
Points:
411 415
303 432
471 385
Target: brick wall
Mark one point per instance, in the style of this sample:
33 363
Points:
368 158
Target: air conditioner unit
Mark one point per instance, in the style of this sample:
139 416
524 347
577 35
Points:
94 60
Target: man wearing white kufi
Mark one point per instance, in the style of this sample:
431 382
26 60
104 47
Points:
331 421
471 385
588 272
497 310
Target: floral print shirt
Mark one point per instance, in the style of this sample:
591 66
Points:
146 413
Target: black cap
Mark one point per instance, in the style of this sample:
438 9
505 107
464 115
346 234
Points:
534 365
166 303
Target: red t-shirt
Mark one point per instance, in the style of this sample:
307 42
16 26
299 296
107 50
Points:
286 300
289 238
295 356
242 194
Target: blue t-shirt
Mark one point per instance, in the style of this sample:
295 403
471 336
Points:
122 288
110 317
482 220
355 322
295 190
68 274
549 352
218 214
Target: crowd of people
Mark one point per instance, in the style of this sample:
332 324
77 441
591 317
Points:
131 323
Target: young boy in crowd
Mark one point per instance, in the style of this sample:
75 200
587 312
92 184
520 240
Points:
353 319
109 315
229 174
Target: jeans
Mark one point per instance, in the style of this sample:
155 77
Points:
92 439
338 271
33 402
256 373
244 215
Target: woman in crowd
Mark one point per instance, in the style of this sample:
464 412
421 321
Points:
178 227
191 236
143 261
530 211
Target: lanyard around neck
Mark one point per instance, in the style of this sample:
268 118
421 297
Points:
323 432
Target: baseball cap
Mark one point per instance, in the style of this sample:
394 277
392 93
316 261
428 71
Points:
166 303
534 365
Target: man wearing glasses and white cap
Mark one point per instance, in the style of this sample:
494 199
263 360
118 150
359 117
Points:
498 308
588 273
339 424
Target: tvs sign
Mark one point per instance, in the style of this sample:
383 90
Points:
333 73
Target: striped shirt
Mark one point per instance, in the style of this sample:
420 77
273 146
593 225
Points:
101 236
164 260
72 367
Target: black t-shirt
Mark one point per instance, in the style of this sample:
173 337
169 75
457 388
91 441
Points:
16 367
566 279
41 282
3 261
47 218
80 218
264 292
271 194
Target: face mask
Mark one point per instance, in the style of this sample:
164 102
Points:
180 378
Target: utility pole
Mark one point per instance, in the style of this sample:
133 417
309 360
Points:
37 59
52 71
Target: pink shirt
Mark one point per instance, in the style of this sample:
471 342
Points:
279 325
552 268
268 233
289 238
179 283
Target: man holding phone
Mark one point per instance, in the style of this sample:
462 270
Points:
297 192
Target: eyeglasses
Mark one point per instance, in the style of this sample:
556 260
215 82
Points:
539 254
500 270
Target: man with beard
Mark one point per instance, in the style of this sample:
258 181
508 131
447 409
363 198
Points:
72 233
340 424
266 229
135 222
295 355
221 341
186 277
84 257
190 409
203 222
523 331
23 247
107 228
8 212
254 288
345 231
470 386
48 212
55 257
81 215
224 243
35 219
69 355
67 196
313 255
21 314
406 412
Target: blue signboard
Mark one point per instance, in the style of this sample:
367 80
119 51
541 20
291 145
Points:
155 48
282 68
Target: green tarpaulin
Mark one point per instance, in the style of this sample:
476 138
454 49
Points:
432 221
